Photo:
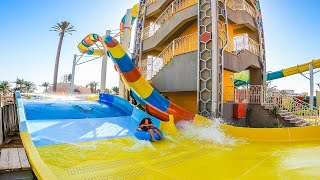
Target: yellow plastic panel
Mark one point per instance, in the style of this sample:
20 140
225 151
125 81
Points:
316 63
301 68
124 82
169 127
97 52
38 166
182 157
142 87
93 97
117 51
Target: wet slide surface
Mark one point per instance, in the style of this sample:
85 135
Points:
90 140
51 122
93 141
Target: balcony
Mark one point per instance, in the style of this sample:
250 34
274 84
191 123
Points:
172 9
151 66
241 5
242 52
241 43
154 7
150 2
241 12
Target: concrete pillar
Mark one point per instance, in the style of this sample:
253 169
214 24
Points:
73 74
311 85
256 77
318 98
125 44
104 62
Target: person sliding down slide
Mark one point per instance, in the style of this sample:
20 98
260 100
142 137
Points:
147 125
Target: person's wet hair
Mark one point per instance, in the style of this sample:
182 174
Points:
143 121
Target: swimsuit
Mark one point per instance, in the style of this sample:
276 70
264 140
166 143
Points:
146 128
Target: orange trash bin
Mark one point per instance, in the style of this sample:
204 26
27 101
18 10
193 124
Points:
239 110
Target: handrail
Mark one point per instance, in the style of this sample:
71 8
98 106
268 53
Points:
149 2
241 5
151 66
271 97
173 8
298 108
239 44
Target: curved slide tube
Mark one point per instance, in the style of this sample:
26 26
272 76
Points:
293 70
134 13
156 104
160 107
243 77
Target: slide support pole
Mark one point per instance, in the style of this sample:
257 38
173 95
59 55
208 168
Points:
104 68
73 73
311 86
125 44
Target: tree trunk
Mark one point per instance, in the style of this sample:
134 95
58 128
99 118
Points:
56 65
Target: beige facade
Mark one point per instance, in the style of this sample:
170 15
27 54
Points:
170 42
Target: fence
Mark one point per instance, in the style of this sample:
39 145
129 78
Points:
149 2
151 66
239 44
286 102
270 98
173 8
241 5
8 117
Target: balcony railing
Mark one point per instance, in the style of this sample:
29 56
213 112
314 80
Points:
241 5
173 8
149 2
151 66
242 43
271 97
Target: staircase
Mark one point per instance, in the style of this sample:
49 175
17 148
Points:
151 66
293 110
290 118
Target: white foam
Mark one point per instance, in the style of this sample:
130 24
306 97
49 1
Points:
66 97
208 132
140 145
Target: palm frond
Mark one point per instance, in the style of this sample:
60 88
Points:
63 27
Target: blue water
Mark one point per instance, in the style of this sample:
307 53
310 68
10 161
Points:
42 110
49 132
56 122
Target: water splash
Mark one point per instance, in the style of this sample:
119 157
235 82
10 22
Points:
140 145
38 96
205 132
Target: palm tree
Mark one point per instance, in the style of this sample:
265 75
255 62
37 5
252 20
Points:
115 89
19 84
108 91
45 85
62 28
29 86
4 87
93 86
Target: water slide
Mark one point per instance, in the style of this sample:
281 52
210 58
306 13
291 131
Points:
243 77
93 139
52 123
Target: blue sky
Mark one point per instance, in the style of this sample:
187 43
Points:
29 48
292 32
